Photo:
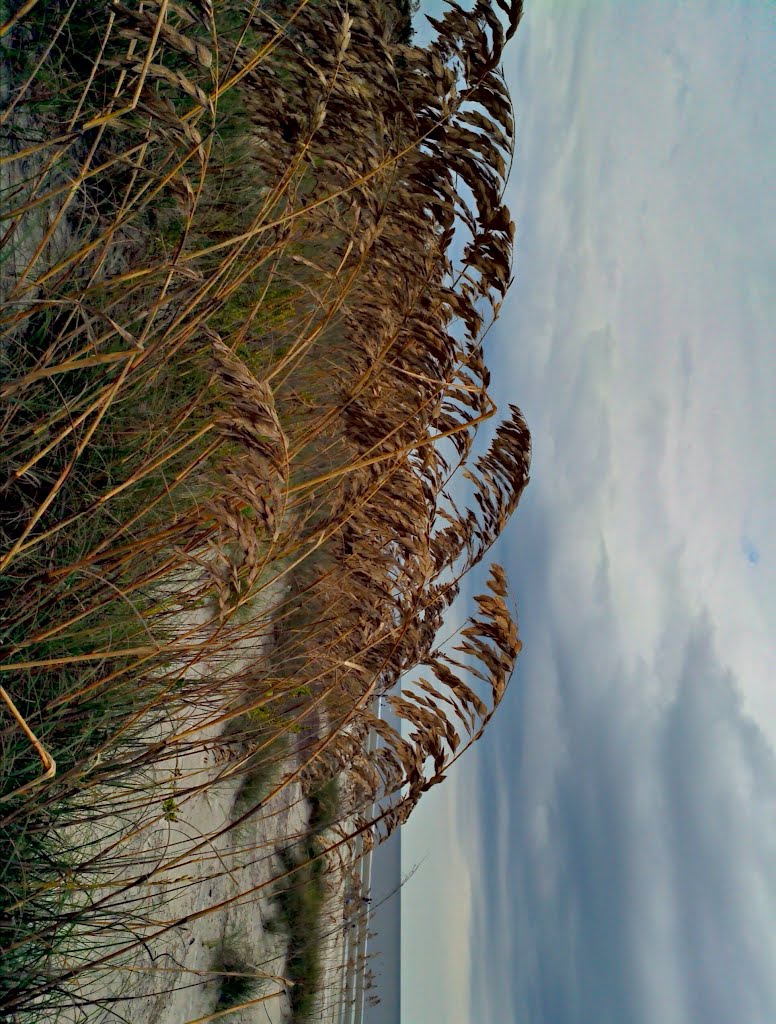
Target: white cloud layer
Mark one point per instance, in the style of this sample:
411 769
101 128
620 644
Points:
626 856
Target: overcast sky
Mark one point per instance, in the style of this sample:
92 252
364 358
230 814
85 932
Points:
608 853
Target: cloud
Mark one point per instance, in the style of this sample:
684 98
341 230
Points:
720 773
750 550
615 827
637 337
626 843
629 855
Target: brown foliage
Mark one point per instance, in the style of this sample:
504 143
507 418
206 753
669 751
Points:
238 352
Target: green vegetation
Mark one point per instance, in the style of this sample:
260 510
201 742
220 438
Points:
301 901
238 369
324 806
260 772
238 980
301 897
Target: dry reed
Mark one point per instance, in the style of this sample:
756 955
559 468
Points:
240 369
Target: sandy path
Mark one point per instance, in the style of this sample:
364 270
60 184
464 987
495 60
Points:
172 979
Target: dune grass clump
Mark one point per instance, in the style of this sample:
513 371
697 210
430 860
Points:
324 806
238 980
240 370
300 900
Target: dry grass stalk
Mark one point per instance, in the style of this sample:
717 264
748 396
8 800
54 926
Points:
240 371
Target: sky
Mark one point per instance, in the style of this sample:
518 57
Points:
607 853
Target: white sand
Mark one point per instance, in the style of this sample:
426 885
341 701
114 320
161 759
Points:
170 980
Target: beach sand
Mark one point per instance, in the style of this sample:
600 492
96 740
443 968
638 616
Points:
215 880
